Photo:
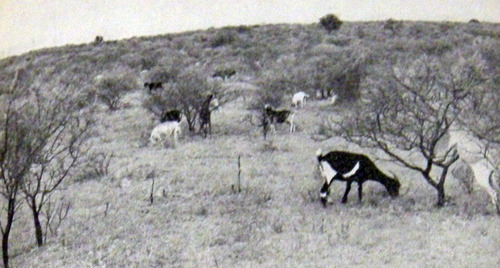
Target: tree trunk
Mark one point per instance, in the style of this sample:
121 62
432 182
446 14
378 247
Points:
441 196
6 232
439 186
5 248
191 123
38 228
191 126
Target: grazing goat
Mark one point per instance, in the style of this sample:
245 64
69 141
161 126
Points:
153 85
172 115
205 112
168 130
279 117
471 151
351 167
299 98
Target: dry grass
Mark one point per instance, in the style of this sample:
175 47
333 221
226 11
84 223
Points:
198 220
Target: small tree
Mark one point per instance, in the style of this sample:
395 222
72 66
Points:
61 132
111 88
17 152
338 71
41 135
330 22
187 94
413 113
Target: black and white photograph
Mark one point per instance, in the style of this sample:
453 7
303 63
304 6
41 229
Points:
218 133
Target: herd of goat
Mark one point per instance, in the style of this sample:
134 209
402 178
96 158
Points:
335 165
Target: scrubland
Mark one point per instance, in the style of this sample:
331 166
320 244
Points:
198 218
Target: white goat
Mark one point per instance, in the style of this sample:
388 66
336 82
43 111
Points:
471 151
299 98
168 130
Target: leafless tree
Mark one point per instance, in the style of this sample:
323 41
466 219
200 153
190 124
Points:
17 153
61 132
42 133
413 112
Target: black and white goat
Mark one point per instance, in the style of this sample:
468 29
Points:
351 167
172 115
279 117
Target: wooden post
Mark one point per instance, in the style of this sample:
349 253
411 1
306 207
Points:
105 210
151 195
239 173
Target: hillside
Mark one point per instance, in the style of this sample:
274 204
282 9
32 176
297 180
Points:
198 219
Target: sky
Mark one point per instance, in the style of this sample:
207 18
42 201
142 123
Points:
32 24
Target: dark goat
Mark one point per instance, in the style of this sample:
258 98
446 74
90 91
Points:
153 85
279 117
351 167
172 115
205 114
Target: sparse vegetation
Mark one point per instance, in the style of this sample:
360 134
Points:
393 26
109 213
223 37
112 87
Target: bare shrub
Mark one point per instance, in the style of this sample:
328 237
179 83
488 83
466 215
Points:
112 86
276 83
337 71
393 26
96 166
269 147
223 37
343 232
54 214
147 61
